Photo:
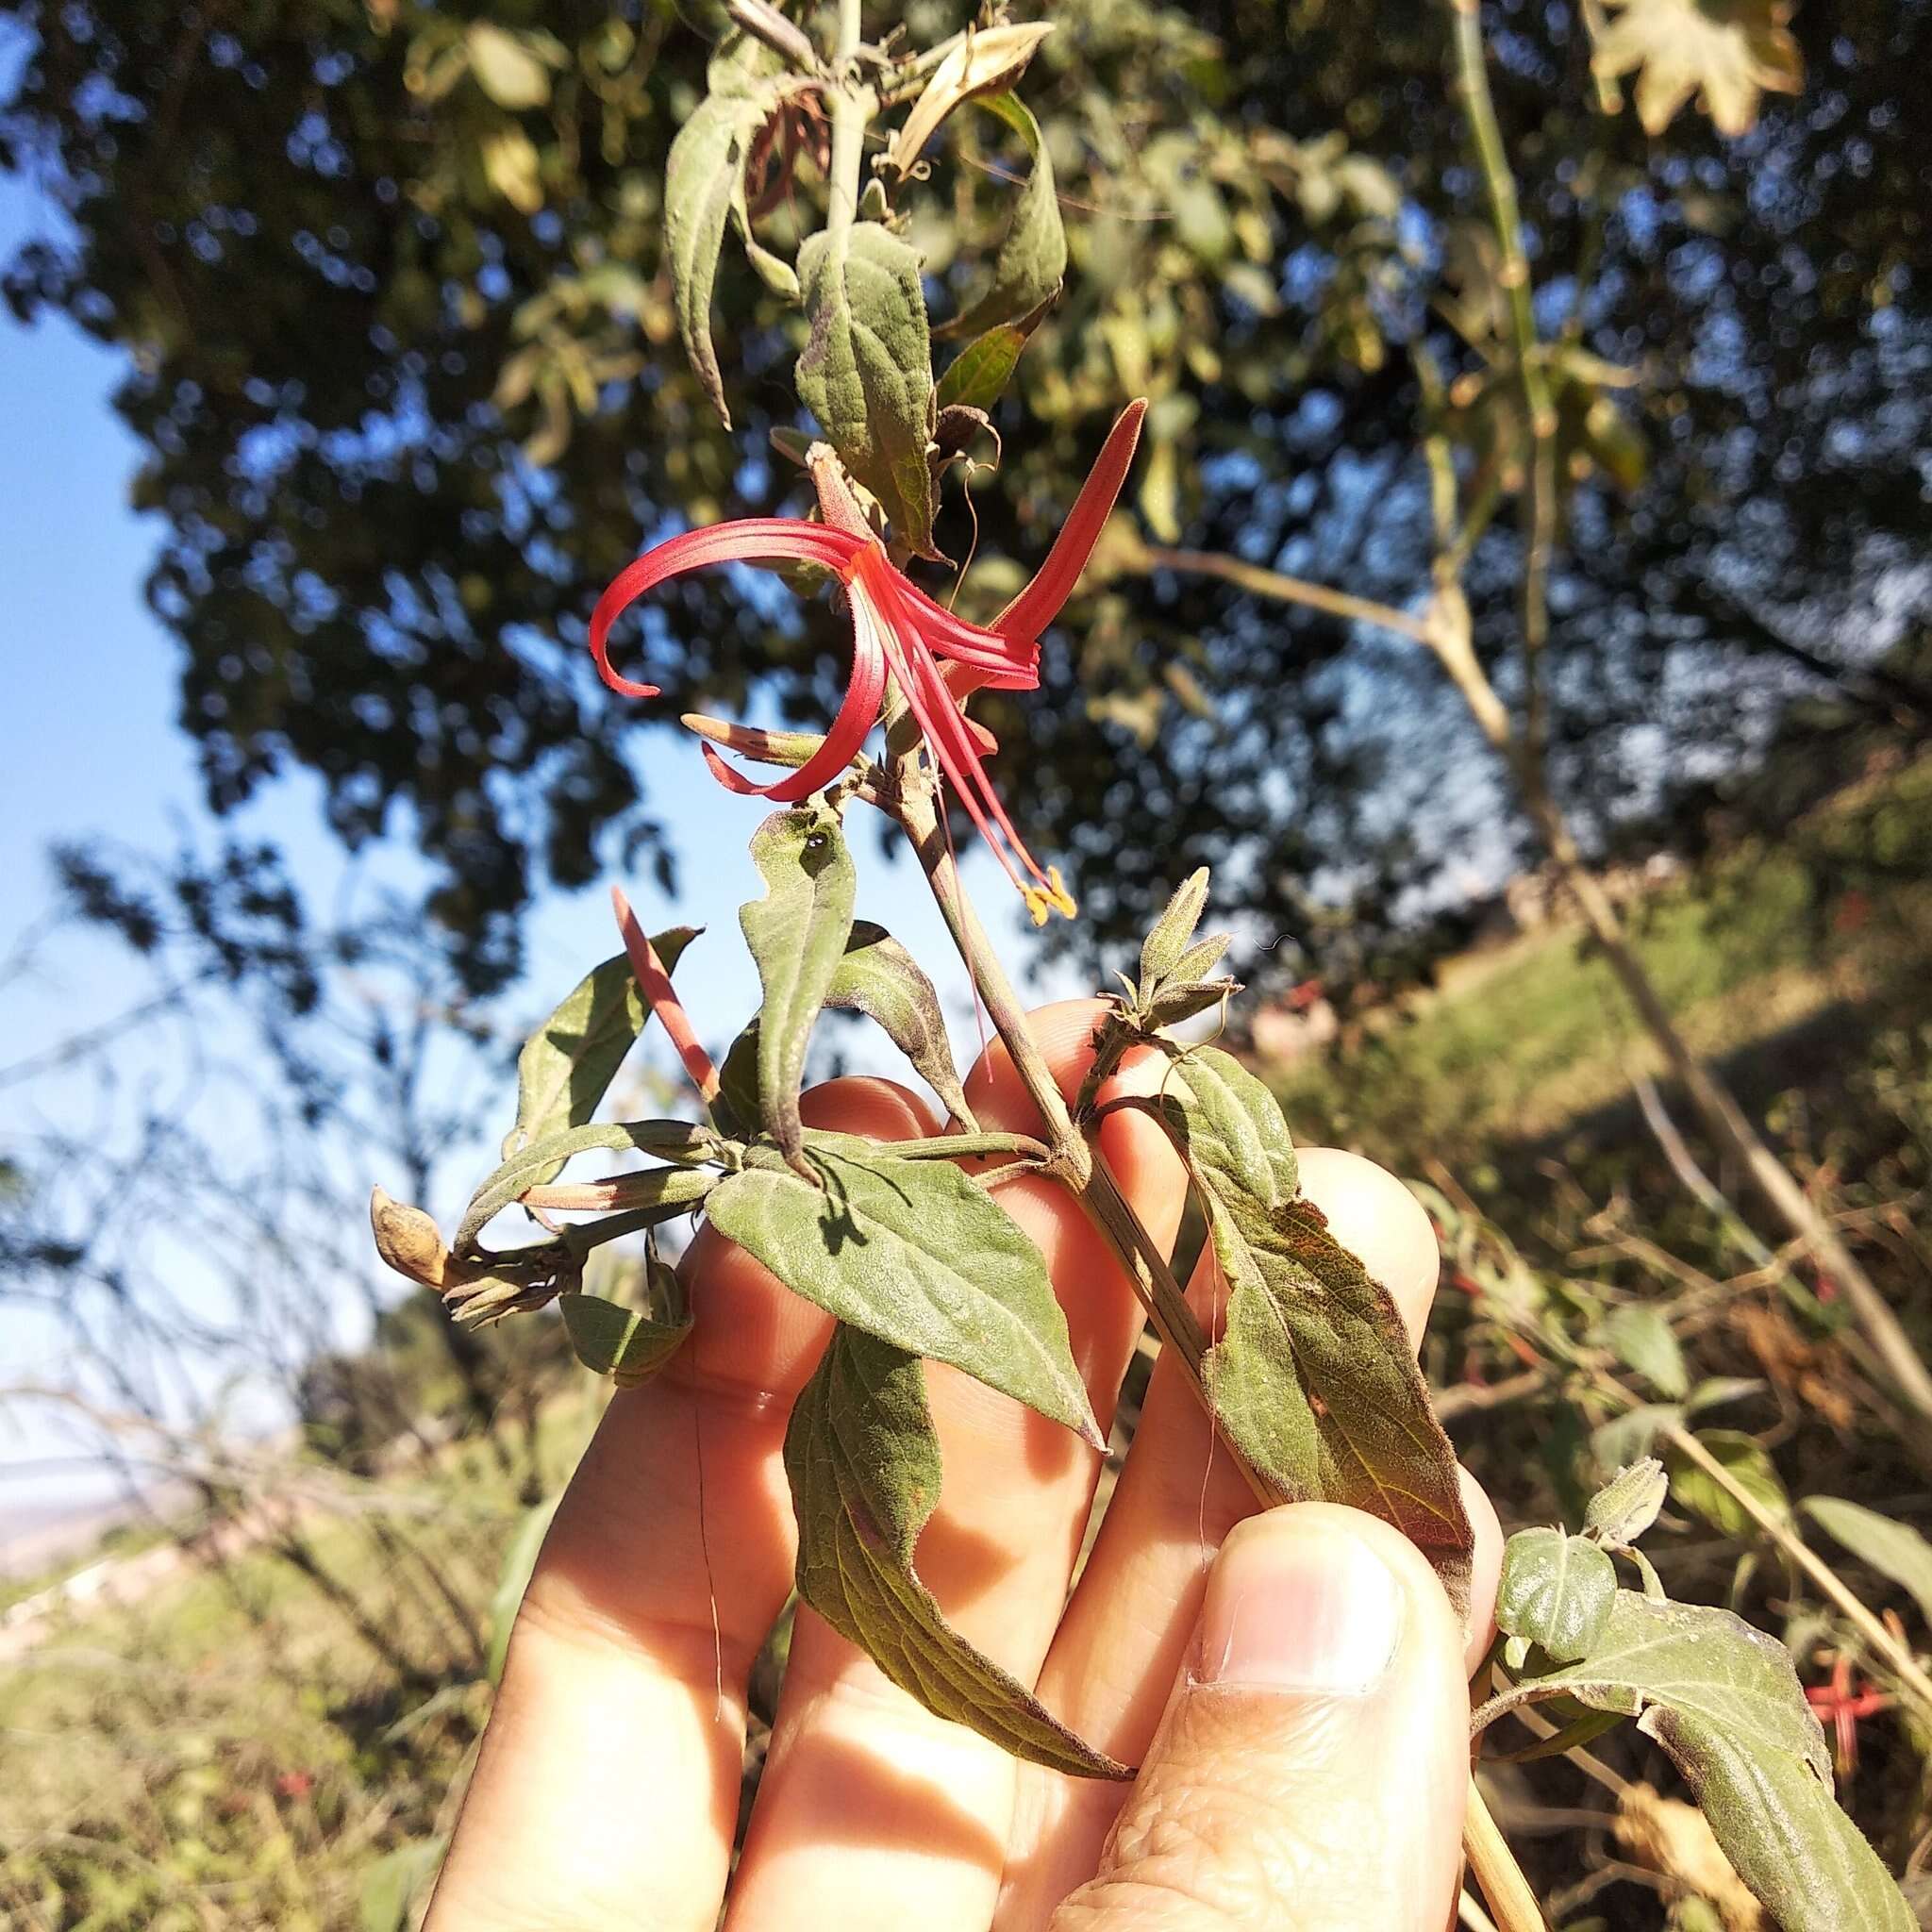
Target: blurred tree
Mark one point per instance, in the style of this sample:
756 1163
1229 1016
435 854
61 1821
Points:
404 358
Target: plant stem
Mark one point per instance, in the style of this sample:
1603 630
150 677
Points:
958 1147
852 105
1285 589
1904 1665
1539 415
785 38
851 29
1512 1902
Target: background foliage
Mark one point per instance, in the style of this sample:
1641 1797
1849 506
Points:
391 475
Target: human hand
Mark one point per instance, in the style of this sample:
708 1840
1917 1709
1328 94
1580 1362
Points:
1297 1707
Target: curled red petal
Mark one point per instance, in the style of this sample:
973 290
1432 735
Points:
750 540
855 714
1039 603
729 776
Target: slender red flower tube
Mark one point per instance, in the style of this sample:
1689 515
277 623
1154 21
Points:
897 627
654 984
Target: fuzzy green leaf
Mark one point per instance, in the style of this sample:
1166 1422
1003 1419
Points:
1781 1828
1556 1591
1628 1504
866 369
878 977
1702 1663
977 377
1162 949
914 1252
627 1344
1182 999
1032 259
568 1063
1640 1338
863 1460
1314 1378
704 185
529 1167
797 934
1893 1549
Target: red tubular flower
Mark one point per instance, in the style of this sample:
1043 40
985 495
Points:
897 627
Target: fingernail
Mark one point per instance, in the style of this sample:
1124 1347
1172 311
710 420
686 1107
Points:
1299 1606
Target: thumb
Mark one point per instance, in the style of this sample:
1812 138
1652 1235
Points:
1310 1768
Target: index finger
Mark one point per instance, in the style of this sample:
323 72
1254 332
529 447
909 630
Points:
606 1794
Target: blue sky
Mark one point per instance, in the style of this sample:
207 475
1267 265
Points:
91 749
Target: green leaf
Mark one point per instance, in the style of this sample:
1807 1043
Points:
878 977
866 369
1314 1378
1162 949
513 1579
1201 958
1699 1663
1032 259
1627 1437
977 377
568 1063
627 1344
863 1460
531 1166
391 1885
912 1252
797 934
1640 1338
1745 1462
1779 1826
704 185
1626 1506
1556 1590
1893 1549
1235 1128
1181 1000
